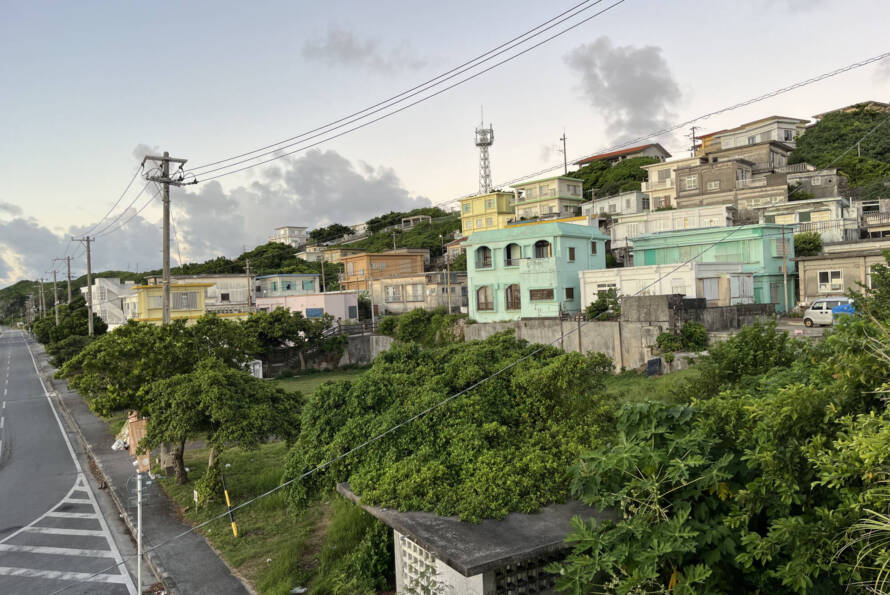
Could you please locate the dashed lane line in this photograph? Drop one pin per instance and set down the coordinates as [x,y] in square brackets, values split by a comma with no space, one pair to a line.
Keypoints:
[58,531]
[64,576]
[55,551]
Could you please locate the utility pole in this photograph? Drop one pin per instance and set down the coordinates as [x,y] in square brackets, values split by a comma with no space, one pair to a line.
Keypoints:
[42,301]
[67,260]
[785,269]
[166,181]
[393,240]
[565,162]
[247,271]
[55,298]
[87,240]
[694,138]
[447,272]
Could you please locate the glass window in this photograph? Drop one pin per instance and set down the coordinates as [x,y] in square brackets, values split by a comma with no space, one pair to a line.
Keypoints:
[484,299]
[571,254]
[803,217]
[489,221]
[543,249]
[714,185]
[352,312]
[830,281]
[483,257]
[478,223]
[570,294]
[350,268]
[414,292]
[392,293]
[468,225]
[155,302]
[690,182]
[593,248]
[308,284]
[817,180]
[538,295]
[489,203]
[513,297]
[185,300]
[752,139]
[467,207]
[512,255]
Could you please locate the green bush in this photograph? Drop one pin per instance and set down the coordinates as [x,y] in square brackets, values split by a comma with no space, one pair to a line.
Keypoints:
[426,327]
[694,336]
[667,341]
[388,325]
[606,303]
[64,350]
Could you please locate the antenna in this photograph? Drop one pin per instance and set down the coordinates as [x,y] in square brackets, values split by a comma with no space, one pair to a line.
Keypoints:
[484,139]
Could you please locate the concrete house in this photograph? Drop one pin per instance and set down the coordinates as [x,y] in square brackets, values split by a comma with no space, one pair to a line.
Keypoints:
[836,273]
[286,284]
[530,271]
[226,293]
[832,218]
[728,181]
[661,185]
[651,150]
[759,248]
[560,196]
[429,290]
[720,283]
[290,235]
[625,203]
[110,297]
[783,129]
[341,305]
[360,269]
[486,211]
[820,183]
[186,302]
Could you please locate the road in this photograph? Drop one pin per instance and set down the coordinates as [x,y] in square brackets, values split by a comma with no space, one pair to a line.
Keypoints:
[53,535]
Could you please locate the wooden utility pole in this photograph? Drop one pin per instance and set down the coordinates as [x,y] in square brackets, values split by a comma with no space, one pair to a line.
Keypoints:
[165,179]
[247,272]
[785,269]
[322,273]
[55,298]
[42,301]
[87,240]
[67,260]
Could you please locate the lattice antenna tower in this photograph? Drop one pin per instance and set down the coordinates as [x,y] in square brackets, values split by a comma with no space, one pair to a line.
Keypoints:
[484,139]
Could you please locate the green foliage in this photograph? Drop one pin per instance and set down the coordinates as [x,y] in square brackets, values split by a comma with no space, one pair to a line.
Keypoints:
[67,348]
[822,144]
[356,557]
[331,232]
[73,320]
[612,262]
[395,218]
[427,327]
[210,486]
[606,180]
[669,342]
[808,243]
[431,236]
[605,305]
[694,336]
[506,445]
[286,331]
[460,263]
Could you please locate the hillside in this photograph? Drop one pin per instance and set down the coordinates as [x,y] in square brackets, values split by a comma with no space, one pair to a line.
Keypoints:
[606,180]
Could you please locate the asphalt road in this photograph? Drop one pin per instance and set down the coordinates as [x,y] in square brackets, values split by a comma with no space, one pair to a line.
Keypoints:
[52,533]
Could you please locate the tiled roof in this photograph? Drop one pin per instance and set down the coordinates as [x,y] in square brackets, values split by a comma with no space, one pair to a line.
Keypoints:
[628,151]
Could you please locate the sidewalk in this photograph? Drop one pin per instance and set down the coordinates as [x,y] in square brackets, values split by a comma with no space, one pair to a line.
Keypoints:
[187,565]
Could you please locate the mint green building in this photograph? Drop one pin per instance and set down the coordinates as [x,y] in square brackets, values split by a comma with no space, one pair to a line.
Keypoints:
[757,247]
[530,271]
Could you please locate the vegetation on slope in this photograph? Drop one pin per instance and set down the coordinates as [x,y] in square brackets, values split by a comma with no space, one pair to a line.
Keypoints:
[605,179]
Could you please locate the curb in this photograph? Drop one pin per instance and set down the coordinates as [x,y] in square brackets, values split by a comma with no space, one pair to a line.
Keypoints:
[155,565]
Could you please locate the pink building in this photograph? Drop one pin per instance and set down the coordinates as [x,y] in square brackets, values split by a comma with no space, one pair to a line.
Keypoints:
[342,305]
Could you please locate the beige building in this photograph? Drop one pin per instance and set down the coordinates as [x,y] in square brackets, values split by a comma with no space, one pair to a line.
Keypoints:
[836,273]
[361,269]
[556,197]
[781,129]
[729,182]
[832,218]
[430,290]
[661,185]
[336,254]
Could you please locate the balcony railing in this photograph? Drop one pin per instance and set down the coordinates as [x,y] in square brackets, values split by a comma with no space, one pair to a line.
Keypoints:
[483,263]
[795,168]
[511,262]
[751,183]
[514,305]
[875,219]
[659,184]
[485,306]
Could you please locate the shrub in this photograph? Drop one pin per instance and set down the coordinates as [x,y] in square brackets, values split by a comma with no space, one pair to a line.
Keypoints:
[808,243]
[388,325]
[606,301]
[64,350]
[694,336]
[669,342]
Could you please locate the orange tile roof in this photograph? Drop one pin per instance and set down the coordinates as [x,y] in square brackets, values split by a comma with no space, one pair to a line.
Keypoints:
[618,153]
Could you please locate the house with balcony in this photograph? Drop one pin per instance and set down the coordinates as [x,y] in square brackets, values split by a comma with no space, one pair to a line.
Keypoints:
[290,235]
[286,284]
[311,254]
[765,157]
[186,302]
[486,211]
[109,298]
[335,254]
[625,203]
[226,293]
[426,290]
[661,185]
[554,198]
[817,183]
[530,271]
[730,182]
[359,270]
[834,219]
[720,283]
[782,129]
[340,305]
[626,228]
[760,250]
[651,150]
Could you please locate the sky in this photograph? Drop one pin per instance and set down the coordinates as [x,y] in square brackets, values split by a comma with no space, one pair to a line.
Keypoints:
[90,87]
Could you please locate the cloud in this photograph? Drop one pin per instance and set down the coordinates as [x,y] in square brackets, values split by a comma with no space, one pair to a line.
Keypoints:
[10,209]
[631,87]
[340,47]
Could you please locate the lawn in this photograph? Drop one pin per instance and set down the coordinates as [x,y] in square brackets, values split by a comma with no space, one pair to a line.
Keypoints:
[276,548]
[631,386]
[307,383]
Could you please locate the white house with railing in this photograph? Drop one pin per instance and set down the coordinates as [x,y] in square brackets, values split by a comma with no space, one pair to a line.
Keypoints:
[110,296]
[834,219]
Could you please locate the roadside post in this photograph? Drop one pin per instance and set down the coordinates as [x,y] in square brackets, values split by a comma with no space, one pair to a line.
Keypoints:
[229,505]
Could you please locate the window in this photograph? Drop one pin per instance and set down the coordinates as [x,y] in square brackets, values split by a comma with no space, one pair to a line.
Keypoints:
[540,295]
[711,288]
[414,292]
[483,257]
[259,289]
[350,268]
[468,225]
[514,301]
[223,297]
[185,300]
[830,281]
[612,207]
[468,207]
[570,294]
[483,299]
[817,180]
[543,249]
[489,221]
[627,204]
[392,293]
[274,285]
[664,174]
[571,254]
[155,302]
[593,248]
[646,203]
[752,139]
[803,217]
[690,182]
[512,255]
[489,203]
[308,284]
[478,223]
[714,185]
[352,312]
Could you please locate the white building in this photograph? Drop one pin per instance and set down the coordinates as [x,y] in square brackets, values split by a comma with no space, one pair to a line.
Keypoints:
[626,203]
[834,219]
[720,283]
[227,294]
[627,227]
[110,298]
[290,235]
[312,254]
[774,128]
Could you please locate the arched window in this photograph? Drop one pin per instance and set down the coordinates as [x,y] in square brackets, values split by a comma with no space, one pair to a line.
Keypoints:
[484,299]
[543,249]
[514,302]
[483,257]
[512,254]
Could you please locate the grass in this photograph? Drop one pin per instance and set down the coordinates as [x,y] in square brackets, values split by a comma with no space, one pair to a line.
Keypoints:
[115,421]
[631,386]
[276,548]
[307,383]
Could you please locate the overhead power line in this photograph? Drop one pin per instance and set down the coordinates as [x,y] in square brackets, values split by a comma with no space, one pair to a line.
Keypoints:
[278,155]
[398,98]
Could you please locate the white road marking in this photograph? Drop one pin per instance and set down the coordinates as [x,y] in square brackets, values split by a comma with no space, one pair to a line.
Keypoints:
[57,531]
[55,551]
[65,576]
[76,501]
[71,515]
[1,449]
[2,422]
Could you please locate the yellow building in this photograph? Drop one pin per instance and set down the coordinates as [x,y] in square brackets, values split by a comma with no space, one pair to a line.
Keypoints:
[186,301]
[486,211]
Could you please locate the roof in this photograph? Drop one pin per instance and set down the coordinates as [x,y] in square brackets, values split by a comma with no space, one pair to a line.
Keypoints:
[620,152]
[539,180]
[878,105]
[752,123]
[288,275]
[472,549]
[730,233]
[539,230]
[839,255]
[174,285]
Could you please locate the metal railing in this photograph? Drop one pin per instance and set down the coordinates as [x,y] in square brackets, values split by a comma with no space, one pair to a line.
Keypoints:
[875,218]
[795,168]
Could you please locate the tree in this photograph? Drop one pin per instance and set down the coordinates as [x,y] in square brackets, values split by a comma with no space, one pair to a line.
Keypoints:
[231,407]
[73,320]
[808,243]
[605,179]
[605,302]
[331,232]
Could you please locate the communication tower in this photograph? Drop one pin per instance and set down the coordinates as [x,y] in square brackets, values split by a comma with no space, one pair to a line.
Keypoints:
[484,139]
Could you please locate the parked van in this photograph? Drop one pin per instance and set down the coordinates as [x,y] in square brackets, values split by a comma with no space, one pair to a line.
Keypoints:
[819,311]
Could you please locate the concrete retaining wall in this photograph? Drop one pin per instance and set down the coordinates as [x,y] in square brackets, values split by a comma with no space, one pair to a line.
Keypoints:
[672,311]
